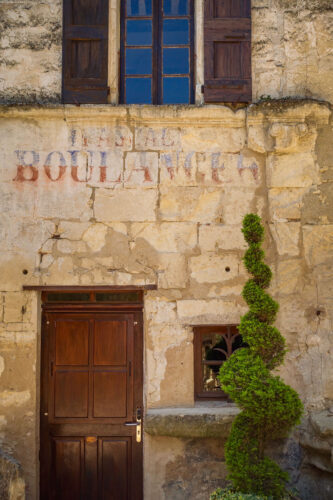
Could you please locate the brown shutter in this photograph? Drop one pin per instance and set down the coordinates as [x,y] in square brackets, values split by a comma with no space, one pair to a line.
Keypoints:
[227,35]
[85,51]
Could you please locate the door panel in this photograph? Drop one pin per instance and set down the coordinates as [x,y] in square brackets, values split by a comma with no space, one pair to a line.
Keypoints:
[71,394]
[114,454]
[110,341]
[112,383]
[71,342]
[92,361]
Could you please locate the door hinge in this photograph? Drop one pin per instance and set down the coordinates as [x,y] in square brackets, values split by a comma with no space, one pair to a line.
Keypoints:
[202,89]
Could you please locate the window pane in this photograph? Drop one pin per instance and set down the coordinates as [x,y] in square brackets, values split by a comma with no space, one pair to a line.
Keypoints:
[176,90]
[175,61]
[139,7]
[68,297]
[121,296]
[138,91]
[138,61]
[175,31]
[138,32]
[175,7]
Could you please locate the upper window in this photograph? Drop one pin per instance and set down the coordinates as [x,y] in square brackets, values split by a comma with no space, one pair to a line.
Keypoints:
[156,60]
[156,44]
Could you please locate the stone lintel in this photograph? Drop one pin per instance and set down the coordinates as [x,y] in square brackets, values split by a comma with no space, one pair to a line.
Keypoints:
[197,422]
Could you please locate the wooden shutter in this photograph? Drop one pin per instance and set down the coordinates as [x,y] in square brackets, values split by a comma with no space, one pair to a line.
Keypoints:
[85,51]
[227,35]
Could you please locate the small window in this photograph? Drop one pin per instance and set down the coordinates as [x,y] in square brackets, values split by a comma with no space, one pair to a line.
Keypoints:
[157,52]
[212,346]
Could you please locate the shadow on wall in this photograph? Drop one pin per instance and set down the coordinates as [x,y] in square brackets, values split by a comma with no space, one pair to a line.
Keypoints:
[12,485]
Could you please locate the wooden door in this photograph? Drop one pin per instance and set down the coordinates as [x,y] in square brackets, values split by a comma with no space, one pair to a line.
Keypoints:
[91,387]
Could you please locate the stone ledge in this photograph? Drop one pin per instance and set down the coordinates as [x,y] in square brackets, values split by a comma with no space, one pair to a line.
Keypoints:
[197,422]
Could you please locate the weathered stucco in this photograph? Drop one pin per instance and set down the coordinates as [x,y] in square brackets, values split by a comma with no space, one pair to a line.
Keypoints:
[292,50]
[144,195]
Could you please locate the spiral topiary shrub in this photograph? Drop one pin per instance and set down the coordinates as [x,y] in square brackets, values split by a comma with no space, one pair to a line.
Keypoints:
[270,407]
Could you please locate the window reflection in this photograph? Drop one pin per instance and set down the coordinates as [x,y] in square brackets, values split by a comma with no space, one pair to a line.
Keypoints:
[175,7]
[139,7]
[175,61]
[175,31]
[138,32]
[138,91]
[138,61]
[176,90]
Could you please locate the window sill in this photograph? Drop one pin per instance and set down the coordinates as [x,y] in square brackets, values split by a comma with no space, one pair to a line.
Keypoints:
[205,420]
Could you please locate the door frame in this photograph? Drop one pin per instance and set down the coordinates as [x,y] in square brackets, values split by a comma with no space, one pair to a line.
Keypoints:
[138,367]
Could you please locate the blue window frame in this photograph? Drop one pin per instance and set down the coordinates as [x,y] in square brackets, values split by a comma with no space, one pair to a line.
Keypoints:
[156,59]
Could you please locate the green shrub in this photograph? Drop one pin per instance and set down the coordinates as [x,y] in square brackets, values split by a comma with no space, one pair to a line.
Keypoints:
[270,407]
[229,495]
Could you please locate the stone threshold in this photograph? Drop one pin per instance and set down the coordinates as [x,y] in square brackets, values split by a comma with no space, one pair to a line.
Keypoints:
[201,421]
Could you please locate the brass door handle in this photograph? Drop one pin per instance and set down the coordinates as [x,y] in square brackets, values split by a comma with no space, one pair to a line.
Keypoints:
[137,424]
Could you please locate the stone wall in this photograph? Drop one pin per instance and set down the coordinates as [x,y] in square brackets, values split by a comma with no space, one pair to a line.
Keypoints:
[147,195]
[292,49]
[12,486]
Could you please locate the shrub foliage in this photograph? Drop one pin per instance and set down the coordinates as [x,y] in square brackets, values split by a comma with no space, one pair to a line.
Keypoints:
[270,407]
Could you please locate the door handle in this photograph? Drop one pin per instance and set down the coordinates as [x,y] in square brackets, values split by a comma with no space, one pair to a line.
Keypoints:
[137,424]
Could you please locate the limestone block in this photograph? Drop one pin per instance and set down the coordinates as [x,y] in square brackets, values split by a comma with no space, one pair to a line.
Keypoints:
[318,205]
[178,168]
[318,244]
[66,246]
[15,306]
[286,236]
[198,312]
[17,269]
[289,276]
[190,204]
[95,236]
[125,205]
[20,234]
[291,171]
[158,310]
[167,236]
[18,200]
[322,423]
[292,318]
[285,203]
[72,230]
[191,422]
[258,139]
[325,284]
[229,170]
[141,169]
[157,138]
[65,203]
[236,204]
[101,135]
[177,386]
[221,237]
[227,140]
[208,268]
[14,398]
[293,138]
[172,271]
[62,271]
